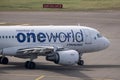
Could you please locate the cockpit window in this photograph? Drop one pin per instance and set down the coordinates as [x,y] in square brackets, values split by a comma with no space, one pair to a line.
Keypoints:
[99,35]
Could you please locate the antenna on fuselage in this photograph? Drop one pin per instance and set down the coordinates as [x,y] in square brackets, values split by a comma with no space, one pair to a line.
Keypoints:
[78,24]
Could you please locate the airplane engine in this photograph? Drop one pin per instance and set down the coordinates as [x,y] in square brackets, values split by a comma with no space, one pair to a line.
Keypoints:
[68,57]
[11,51]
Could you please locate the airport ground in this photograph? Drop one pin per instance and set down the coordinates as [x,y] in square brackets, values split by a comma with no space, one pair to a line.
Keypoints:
[103,65]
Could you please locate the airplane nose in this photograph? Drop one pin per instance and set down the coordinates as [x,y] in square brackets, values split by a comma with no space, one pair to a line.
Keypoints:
[106,43]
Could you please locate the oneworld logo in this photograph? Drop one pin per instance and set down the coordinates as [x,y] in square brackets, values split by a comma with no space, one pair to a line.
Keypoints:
[69,36]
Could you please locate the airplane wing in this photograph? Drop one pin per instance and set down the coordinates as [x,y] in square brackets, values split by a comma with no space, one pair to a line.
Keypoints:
[41,50]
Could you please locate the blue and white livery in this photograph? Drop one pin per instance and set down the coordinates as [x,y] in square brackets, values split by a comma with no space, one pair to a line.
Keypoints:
[61,44]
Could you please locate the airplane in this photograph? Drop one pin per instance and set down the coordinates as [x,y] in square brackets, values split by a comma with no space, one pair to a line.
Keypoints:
[62,45]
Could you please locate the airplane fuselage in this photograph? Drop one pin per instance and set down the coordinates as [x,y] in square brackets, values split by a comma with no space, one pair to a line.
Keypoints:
[60,44]
[72,37]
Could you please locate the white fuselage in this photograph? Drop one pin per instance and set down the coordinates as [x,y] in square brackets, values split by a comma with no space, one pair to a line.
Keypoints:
[79,38]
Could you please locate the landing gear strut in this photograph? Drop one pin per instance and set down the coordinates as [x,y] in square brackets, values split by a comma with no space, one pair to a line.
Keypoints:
[4,60]
[80,62]
[30,64]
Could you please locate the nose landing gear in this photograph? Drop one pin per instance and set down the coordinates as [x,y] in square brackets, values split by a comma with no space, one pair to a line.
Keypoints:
[80,62]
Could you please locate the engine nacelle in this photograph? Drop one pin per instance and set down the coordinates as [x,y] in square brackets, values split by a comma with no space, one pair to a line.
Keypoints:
[68,57]
[11,51]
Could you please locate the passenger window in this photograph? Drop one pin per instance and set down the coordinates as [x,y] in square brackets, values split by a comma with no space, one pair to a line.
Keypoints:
[12,36]
[9,36]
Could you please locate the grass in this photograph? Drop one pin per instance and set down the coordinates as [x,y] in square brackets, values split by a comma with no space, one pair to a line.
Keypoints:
[69,5]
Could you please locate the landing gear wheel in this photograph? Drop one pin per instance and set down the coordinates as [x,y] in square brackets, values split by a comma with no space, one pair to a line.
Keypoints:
[26,64]
[4,60]
[0,59]
[81,62]
[30,65]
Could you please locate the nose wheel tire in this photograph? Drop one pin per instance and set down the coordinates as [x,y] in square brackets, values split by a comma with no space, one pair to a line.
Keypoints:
[4,60]
[0,60]
[81,62]
[30,65]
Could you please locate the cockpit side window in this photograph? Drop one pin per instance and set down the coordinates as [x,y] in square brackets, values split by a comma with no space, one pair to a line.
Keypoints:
[99,35]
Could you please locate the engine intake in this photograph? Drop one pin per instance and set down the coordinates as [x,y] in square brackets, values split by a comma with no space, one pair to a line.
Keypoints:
[68,57]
